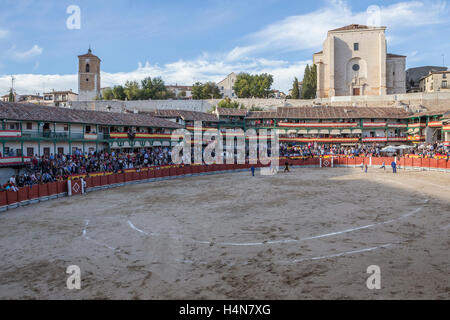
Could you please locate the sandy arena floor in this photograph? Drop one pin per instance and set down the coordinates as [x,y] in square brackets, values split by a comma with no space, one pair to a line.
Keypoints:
[309,234]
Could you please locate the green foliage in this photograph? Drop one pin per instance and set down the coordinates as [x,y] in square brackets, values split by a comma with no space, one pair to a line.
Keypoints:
[309,87]
[227,103]
[132,90]
[11,97]
[203,91]
[295,94]
[248,86]
[255,108]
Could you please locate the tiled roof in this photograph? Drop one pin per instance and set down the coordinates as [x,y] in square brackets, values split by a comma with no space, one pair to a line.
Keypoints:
[232,112]
[330,113]
[32,112]
[351,27]
[391,55]
[430,113]
[185,115]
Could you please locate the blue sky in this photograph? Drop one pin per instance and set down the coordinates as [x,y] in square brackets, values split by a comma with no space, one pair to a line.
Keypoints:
[186,41]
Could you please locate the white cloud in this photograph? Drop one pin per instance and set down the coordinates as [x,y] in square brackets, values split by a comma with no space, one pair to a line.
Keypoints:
[308,31]
[25,55]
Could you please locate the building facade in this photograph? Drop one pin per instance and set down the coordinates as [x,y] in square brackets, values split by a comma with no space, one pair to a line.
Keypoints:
[354,61]
[435,81]
[226,86]
[59,98]
[89,80]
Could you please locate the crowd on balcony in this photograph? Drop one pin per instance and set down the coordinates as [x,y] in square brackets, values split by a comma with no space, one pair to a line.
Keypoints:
[431,150]
[315,150]
[51,168]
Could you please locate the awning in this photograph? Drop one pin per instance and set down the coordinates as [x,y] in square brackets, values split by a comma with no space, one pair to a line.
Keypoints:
[292,132]
[156,143]
[166,143]
[281,131]
[356,131]
[348,131]
[335,132]
[314,131]
[303,131]
[324,131]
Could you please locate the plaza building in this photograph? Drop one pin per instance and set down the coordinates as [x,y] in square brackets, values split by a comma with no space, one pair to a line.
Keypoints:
[354,61]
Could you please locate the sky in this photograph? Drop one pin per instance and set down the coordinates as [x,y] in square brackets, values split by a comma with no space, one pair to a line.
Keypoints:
[188,41]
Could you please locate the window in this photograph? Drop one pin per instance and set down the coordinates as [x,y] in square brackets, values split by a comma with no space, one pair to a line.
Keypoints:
[87,79]
[60,150]
[30,152]
[66,127]
[444,76]
[88,129]
[444,84]
[47,151]
[88,68]
[356,46]
[29,126]
[355,67]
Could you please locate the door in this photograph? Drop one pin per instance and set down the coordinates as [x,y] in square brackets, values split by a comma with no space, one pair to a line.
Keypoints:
[356,91]
[30,152]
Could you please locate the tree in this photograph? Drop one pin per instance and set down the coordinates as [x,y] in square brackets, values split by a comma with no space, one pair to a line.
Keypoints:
[309,87]
[132,90]
[11,97]
[248,86]
[295,94]
[119,93]
[208,90]
[108,94]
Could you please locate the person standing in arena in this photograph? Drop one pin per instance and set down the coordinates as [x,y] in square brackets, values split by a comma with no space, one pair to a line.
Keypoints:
[394,167]
[286,167]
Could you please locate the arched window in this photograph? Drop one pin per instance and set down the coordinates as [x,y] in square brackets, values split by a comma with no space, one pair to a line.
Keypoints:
[87,67]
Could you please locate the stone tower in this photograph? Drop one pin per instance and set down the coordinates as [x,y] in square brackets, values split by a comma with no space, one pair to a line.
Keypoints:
[88,76]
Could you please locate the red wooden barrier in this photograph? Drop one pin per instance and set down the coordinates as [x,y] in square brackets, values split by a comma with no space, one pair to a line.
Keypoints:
[103,180]
[128,176]
[442,164]
[179,171]
[33,191]
[22,194]
[3,199]
[434,163]
[165,172]
[172,171]
[425,163]
[62,185]
[188,170]
[112,179]
[408,162]
[195,169]
[11,197]
[151,173]
[76,187]
[43,190]
[417,162]
[52,188]
[96,181]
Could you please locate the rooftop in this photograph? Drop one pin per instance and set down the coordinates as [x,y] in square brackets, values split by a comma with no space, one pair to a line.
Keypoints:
[32,112]
[330,113]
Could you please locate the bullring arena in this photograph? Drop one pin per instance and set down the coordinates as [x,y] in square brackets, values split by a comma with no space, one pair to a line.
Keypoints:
[307,234]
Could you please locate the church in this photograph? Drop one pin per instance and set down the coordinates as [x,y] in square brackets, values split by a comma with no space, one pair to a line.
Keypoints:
[89,82]
[354,62]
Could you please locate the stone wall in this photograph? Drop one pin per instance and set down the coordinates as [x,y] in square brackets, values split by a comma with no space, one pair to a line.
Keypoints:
[430,101]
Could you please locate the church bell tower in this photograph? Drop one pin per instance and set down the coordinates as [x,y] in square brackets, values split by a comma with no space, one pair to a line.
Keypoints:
[88,77]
